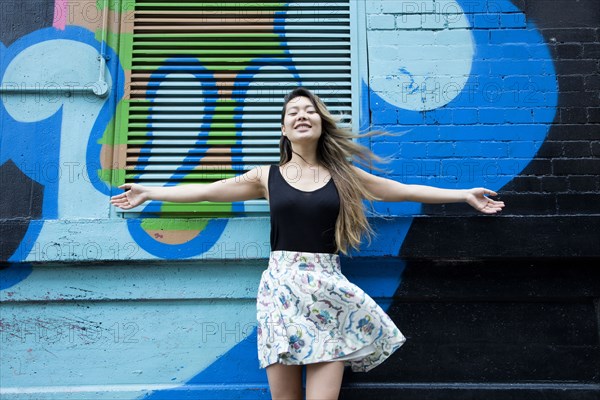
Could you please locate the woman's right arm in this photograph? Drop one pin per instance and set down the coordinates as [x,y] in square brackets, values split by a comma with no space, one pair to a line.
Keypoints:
[248,186]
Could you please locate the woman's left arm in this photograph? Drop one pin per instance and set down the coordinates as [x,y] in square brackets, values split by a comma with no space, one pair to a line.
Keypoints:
[389,190]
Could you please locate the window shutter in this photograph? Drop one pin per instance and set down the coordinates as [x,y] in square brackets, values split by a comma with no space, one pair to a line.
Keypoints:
[207,82]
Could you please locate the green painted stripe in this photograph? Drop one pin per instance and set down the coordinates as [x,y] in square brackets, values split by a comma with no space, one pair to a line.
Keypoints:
[172,168]
[212,177]
[113,39]
[160,61]
[222,102]
[210,142]
[138,109]
[205,35]
[175,108]
[121,128]
[208,51]
[241,5]
[117,5]
[136,134]
[243,65]
[223,107]
[209,208]
[174,224]
[237,63]
[118,177]
[214,125]
[130,175]
[125,48]
[209,44]
[105,175]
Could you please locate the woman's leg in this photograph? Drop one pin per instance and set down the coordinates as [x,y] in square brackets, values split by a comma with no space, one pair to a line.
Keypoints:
[323,380]
[285,381]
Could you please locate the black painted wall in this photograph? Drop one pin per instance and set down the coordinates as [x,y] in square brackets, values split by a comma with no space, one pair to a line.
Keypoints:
[17,19]
[20,17]
[492,329]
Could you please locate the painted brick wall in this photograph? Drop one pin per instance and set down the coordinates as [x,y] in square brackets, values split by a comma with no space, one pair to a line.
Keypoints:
[488,302]
[496,93]
[553,189]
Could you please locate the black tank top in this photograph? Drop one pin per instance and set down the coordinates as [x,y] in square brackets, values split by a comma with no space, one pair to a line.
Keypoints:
[302,221]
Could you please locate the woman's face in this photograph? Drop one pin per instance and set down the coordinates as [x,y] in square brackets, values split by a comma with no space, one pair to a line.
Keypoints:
[301,121]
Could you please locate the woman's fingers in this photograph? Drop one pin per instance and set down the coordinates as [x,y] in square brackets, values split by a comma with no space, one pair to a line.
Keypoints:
[124,204]
[119,201]
[119,196]
[125,199]
[494,207]
[491,206]
[489,210]
[484,204]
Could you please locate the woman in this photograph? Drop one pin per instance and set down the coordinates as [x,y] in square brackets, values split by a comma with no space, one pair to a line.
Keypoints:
[308,313]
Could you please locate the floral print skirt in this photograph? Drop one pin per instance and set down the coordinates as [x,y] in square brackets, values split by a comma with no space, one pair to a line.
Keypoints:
[308,312]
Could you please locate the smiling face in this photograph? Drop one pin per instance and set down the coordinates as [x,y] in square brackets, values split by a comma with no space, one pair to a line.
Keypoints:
[301,121]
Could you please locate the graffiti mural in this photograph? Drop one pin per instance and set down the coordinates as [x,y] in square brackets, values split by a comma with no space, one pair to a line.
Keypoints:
[467,89]
[454,131]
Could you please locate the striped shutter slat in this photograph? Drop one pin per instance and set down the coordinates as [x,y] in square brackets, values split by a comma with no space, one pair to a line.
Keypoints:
[207,83]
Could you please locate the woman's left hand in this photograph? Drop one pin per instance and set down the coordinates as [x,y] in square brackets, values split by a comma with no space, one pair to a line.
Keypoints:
[477,198]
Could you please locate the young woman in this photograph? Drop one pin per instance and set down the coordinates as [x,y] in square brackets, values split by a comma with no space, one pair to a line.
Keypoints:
[308,313]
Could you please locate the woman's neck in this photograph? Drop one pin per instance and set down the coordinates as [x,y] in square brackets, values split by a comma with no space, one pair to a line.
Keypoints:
[305,157]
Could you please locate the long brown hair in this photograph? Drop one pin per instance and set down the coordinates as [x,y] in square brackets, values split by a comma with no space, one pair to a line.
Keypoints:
[336,150]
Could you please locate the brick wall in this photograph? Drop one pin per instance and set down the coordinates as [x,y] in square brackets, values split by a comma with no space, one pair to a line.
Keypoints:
[503,307]
[552,194]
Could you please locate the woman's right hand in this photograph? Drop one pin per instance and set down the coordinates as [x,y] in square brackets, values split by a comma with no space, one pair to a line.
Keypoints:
[133,196]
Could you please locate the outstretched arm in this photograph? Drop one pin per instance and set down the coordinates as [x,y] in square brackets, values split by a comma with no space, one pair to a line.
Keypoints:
[251,185]
[389,190]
